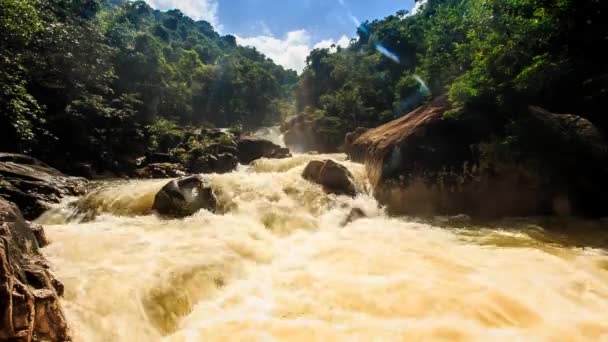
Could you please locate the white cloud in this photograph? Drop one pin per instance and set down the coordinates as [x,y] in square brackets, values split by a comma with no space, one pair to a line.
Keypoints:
[418,6]
[344,41]
[196,9]
[291,51]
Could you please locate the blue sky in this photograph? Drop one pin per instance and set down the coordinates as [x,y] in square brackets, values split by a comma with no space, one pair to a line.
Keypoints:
[286,30]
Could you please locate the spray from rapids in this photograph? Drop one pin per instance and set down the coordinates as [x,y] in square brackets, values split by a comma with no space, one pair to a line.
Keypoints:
[279,265]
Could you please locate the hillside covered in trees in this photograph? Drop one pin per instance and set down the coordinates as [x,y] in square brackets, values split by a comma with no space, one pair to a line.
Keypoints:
[89,80]
[494,57]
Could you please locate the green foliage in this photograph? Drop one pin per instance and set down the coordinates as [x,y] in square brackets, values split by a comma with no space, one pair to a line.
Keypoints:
[164,133]
[80,79]
[499,54]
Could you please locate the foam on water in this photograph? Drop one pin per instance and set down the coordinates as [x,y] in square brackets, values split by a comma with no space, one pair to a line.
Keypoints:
[278,265]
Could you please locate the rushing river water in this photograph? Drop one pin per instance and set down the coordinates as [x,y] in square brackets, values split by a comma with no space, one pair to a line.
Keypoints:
[278,265]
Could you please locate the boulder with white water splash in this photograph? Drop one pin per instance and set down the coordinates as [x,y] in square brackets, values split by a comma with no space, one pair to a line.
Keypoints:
[252,148]
[33,185]
[184,197]
[334,178]
[29,292]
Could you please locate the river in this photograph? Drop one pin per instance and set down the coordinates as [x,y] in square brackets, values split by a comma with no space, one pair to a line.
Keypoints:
[278,265]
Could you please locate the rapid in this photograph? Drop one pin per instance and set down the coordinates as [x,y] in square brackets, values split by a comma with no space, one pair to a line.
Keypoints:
[278,264]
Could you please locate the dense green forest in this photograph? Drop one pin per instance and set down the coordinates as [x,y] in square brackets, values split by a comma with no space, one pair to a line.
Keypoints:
[493,55]
[97,79]
[84,80]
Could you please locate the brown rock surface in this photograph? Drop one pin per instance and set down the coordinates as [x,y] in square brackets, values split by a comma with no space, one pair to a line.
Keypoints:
[33,185]
[29,292]
[334,178]
[427,163]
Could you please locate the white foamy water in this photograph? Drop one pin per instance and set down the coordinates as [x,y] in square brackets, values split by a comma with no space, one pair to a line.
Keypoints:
[278,265]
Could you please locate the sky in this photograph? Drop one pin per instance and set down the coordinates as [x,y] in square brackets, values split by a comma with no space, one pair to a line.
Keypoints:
[286,30]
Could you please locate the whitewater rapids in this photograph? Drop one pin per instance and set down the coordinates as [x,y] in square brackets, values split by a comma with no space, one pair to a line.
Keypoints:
[278,265]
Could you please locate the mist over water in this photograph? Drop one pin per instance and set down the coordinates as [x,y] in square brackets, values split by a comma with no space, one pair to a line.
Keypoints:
[277,264]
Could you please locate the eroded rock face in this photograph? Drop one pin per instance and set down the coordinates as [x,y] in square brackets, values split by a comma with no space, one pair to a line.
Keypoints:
[184,197]
[334,178]
[251,148]
[427,164]
[33,185]
[29,292]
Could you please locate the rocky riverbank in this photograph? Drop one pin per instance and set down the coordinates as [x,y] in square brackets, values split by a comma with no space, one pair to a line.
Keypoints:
[29,291]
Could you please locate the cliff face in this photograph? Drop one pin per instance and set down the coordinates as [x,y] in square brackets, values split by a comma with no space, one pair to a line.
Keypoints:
[29,292]
[425,163]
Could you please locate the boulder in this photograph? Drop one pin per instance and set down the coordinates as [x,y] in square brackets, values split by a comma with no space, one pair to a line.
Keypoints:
[184,197]
[334,178]
[214,163]
[29,292]
[161,170]
[225,162]
[33,185]
[251,148]
[427,163]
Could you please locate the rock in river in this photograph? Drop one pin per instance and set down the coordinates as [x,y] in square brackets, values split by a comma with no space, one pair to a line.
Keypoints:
[251,148]
[428,163]
[184,197]
[334,178]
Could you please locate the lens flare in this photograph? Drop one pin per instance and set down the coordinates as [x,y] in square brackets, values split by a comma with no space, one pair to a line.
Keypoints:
[424,89]
[386,52]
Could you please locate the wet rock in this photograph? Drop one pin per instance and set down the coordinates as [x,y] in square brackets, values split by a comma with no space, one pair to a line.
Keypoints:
[33,185]
[334,178]
[225,162]
[210,163]
[354,215]
[426,163]
[251,148]
[29,292]
[184,197]
[40,235]
[162,170]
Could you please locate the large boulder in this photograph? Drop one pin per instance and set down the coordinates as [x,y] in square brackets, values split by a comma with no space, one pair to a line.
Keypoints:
[29,292]
[429,163]
[184,197]
[252,148]
[334,178]
[33,185]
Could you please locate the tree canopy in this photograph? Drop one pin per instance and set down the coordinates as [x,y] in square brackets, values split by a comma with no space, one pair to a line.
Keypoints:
[82,79]
[496,54]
